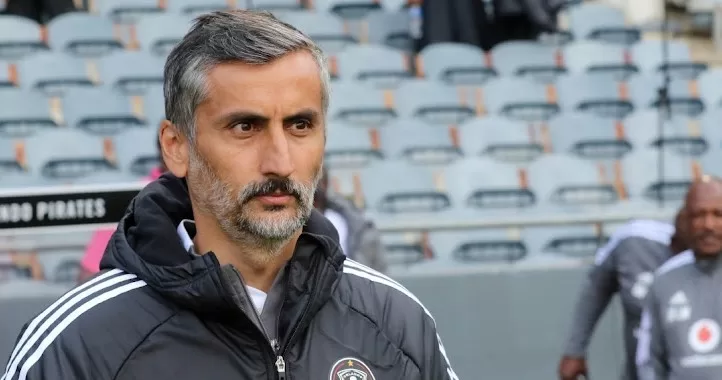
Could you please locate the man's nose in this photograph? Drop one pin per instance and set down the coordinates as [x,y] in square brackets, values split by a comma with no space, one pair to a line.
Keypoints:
[275,153]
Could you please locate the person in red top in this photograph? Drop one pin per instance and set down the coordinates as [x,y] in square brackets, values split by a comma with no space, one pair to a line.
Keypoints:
[90,264]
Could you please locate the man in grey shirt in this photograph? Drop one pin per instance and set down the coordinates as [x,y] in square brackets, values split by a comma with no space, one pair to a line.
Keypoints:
[680,330]
[625,265]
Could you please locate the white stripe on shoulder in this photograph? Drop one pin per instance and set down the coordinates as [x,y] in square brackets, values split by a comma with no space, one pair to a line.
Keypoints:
[80,294]
[34,323]
[647,229]
[677,261]
[32,359]
[360,270]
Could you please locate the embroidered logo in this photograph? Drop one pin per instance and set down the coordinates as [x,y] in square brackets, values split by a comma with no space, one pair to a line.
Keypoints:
[351,369]
[704,336]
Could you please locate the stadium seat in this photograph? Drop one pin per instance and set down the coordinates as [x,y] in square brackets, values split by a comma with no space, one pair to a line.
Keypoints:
[109,112]
[528,59]
[131,72]
[158,34]
[482,183]
[154,105]
[80,155]
[25,112]
[394,5]
[420,143]
[19,180]
[83,34]
[579,241]
[12,156]
[349,146]
[8,75]
[491,245]
[403,250]
[649,56]
[599,21]
[348,9]
[432,102]
[194,8]
[54,73]
[641,174]
[375,64]
[137,151]
[589,184]
[61,266]
[599,58]
[421,191]
[277,6]
[130,11]
[385,28]
[595,94]
[680,134]
[684,94]
[709,125]
[359,103]
[326,29]
[501,139]
[710,88]
[520,98]
[455,63]
[589,136]
[19,36]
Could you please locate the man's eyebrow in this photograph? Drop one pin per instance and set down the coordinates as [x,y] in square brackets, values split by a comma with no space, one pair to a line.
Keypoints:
[308,113]
[241,115]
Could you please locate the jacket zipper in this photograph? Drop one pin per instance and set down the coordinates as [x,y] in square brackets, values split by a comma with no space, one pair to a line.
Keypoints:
[281,368]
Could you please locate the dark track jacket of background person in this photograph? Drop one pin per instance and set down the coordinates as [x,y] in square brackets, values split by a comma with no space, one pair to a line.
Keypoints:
[154,312]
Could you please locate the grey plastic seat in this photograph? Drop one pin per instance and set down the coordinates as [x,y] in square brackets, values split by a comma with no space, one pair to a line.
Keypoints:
[17,180]
[416,188]
[683,94]
[62,266]
[12,152]
[109,112]
[599,58]
[158,34]
[19,36]
[83,34]
[580,241]
[528,59]
[710,162]
[589,136]
[403,250]
[649,56]
[681,134]
[360,103]
[129,11]
[81,154]
[385,28]
[275,5]
[420,143]
[595,94]
[348,9]
[598,21]
[137,151]
[26,112]
[326,29]
[349,146]
[432,102]
[642,179]
[131,72]
[375,64]
[54,73]
[520,98]
[482,183]
[489,245]
[499,138]
[550,180]
[709,128]
[455,63]
[194,8]
[154,105]
[710,87]
[102,178]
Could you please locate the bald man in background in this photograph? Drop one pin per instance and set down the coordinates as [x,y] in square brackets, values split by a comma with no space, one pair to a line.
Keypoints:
[680,332]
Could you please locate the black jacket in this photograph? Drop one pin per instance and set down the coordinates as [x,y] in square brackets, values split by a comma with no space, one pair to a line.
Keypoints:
[156,313]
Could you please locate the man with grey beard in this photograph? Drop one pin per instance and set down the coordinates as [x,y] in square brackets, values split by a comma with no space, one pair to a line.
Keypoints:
[221,269]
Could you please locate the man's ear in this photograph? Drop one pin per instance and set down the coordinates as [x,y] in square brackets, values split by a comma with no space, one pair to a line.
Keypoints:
[174,149]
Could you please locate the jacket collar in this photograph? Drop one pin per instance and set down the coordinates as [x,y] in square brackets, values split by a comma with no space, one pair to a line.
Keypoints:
[146,244]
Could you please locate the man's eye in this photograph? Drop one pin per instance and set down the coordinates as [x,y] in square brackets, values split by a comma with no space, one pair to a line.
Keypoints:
[301,124]
[243,127]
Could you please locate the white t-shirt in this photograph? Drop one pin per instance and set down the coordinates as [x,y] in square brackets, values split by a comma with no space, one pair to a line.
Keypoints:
[341,225]
[258,297]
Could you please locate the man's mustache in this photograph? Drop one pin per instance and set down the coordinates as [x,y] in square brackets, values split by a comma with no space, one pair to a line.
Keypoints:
[272,186]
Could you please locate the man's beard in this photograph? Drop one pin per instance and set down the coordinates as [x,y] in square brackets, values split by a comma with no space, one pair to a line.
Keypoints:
[230,207]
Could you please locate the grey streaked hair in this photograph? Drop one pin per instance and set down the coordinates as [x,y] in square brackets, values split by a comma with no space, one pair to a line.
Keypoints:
[250,37]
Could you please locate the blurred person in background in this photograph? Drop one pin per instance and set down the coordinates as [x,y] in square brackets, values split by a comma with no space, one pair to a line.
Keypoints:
[625,265]
[680,331]
[222,268]
[525,19]
[39,10]
[360,240]
[90,264]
